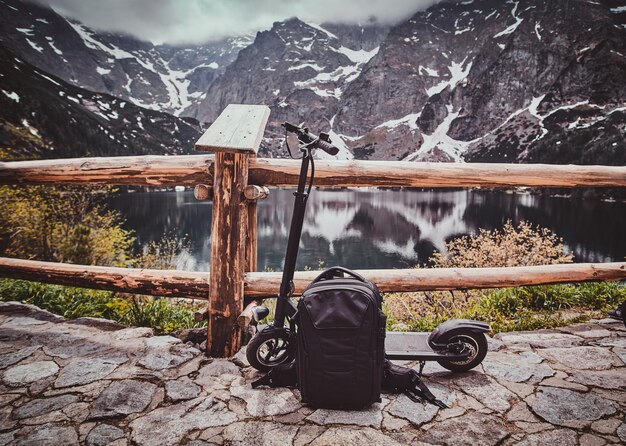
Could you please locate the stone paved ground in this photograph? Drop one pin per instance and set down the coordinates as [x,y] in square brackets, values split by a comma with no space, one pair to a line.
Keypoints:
[93,382]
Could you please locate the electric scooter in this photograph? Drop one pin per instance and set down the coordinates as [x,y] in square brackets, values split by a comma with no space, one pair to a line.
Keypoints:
[458,345]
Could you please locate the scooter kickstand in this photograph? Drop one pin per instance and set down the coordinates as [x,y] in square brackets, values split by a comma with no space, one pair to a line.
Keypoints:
[422,364]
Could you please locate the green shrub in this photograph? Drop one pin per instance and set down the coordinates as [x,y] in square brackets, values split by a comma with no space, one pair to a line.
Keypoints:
[164,315]
[161,314]
[523,308]
[62,224]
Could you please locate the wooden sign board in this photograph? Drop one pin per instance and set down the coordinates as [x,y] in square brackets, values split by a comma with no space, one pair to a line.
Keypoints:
[238,129]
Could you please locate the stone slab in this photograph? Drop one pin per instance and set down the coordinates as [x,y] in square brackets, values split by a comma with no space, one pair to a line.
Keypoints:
[123,398]
[472,429]
[564,407]
[20,375]
[167,425]
[371,417]
[582,357]
[516,367]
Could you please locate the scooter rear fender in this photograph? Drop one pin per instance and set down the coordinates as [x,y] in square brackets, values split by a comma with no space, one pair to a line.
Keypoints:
[440,337]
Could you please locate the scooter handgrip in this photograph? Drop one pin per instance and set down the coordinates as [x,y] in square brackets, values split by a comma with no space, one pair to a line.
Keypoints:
[327,147]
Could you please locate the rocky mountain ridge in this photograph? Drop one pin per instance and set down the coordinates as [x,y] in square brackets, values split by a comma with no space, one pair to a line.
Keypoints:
[159,77]
[45,117]
[476,80]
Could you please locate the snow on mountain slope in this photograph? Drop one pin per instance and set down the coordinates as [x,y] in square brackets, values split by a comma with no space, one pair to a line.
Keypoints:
[44,117]
[159,77]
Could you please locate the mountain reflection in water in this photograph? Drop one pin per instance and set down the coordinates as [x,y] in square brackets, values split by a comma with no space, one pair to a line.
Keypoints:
[379,229]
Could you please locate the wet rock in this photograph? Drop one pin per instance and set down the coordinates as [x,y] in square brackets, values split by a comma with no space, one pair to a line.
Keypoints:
[606,379]
[6,438]
[133,333]
[77,412]
[353,437]
[621,432]
[558,382]
[42,406]
[6,422]
[219,367]
[560,437]
[71,346]
[103,434]
[611,342]
[15,357]
[265,402]
[159,360]
[258,432]
[621,353]
[420,413]
[486,390]
[167,425]
[6,399]
[181,390]
[587,331]
[607,426]
[85,371]
[582,358]
[591,440]
[472,429]
[521,367]
[494,344]
[565,407]
[306,434]
[94,322]
[162,341]
[28,373]
[47,435]
[123,398]
[520,412]
[372,416]
[33,311]
[541,340]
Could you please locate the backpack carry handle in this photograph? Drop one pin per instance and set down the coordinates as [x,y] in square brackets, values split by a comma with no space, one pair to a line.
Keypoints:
[337,271]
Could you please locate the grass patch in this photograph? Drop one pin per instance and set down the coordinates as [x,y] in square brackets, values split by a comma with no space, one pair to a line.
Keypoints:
[507,309]
[163,315]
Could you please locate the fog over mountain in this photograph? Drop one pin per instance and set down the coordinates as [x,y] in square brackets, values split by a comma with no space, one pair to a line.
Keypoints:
[200,21]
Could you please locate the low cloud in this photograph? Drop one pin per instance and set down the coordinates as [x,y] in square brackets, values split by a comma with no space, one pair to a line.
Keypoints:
[195,21]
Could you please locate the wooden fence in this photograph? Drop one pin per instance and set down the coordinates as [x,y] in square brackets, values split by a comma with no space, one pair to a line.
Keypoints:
[235,179]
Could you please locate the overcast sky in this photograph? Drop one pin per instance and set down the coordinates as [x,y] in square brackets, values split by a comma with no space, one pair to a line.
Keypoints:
[185,21]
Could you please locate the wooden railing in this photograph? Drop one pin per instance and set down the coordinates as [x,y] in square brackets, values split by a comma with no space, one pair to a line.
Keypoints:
[232,178]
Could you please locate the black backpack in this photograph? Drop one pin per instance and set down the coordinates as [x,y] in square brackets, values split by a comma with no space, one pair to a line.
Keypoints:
[340,350]
[340,347]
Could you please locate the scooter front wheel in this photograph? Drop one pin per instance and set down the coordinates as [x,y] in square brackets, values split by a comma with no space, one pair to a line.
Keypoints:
[268,348]
[476,343]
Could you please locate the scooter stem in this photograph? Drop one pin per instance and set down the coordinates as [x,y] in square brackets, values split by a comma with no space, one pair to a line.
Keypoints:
[295,231]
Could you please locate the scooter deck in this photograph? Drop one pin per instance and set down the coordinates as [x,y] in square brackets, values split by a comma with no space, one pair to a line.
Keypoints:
[413,346]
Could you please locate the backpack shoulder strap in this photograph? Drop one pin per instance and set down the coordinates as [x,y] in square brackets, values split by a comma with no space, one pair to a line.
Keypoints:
[399,379]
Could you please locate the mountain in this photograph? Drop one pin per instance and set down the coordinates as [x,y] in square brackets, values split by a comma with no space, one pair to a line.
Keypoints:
[463,81]
[481,80]
[159,77]
[45,117]
[299,69]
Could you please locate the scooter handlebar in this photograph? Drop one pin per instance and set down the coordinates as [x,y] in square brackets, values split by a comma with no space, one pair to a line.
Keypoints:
[304,136]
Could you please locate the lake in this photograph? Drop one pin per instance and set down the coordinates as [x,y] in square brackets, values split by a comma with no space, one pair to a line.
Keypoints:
[364,229]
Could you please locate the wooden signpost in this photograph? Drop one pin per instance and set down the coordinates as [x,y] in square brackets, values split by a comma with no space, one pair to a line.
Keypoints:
[235,137]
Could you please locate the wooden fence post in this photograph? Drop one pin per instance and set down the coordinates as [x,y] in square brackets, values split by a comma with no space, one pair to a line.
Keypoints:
[234,137]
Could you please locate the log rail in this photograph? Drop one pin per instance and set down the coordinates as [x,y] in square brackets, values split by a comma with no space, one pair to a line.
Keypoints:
[189,284]
[190,170]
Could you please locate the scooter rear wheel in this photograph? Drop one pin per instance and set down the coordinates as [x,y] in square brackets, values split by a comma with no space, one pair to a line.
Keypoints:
[267,350]
[476,343]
